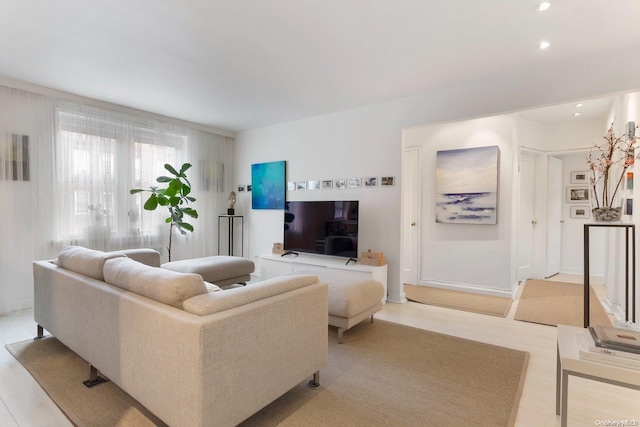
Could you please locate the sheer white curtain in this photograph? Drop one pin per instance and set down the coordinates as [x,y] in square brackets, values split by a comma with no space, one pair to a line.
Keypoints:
[100,155]
[65,174]
[26,186]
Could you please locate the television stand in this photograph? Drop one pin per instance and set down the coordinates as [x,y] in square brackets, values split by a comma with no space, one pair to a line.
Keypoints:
[328,269]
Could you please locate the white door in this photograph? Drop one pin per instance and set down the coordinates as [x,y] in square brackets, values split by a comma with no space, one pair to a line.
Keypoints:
[410,216]
[554,217]
[526,212]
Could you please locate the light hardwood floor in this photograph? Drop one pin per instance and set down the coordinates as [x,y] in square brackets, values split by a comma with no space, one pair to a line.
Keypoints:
[24,403]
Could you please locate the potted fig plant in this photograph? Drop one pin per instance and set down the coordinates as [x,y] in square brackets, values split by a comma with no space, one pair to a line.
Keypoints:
[175,197]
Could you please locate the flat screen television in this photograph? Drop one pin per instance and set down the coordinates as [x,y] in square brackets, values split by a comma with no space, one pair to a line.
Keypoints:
[322,227]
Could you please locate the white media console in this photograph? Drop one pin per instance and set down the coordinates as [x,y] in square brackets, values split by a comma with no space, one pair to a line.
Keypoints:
[327,269]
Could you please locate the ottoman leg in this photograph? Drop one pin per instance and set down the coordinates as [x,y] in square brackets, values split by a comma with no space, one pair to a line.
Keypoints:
[372,318]
[339,335]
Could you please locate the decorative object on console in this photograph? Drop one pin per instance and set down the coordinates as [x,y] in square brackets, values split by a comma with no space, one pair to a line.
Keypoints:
[608,163]
[467,185]
[176,197]
[232,202]
[277,249]
[268,185]
[372,258]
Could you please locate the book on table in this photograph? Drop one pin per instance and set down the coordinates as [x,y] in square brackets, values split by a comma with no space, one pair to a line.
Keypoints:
[587,350]
[616,338]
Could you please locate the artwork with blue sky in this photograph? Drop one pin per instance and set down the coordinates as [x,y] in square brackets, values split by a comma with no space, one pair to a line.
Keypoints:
[467,185]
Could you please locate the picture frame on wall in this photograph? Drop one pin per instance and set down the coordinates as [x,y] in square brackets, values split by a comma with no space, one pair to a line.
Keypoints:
[291,186]
[629,183]
[301,185]
[313,185]
[387,181]
[577,194]
[341,183]
[628,206]
[355,183]
[580,177]
[370,181]
[580,212]
[327,184]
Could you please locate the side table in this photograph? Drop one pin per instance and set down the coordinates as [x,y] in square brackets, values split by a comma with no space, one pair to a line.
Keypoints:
[230,230]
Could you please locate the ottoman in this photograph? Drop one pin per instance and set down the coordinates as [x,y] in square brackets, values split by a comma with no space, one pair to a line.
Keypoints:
[219,270]
[352,302]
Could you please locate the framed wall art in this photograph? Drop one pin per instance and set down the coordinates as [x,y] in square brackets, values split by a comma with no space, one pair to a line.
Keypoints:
[580,212]
[580,177]
[577,194]
[467,185]
[268,184]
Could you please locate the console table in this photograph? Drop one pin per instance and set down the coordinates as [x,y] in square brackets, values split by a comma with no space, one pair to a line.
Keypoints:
[230,225]
[569,363]
[327,269]
[630,303]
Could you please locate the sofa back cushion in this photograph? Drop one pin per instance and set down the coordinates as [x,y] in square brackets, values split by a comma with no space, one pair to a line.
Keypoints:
[165,286]
[146,256]
[214,302]
[85,261]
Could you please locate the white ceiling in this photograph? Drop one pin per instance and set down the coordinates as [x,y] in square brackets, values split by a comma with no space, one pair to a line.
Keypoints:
[241,64]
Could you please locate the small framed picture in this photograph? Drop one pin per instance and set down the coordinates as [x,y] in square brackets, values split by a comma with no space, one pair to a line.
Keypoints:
[577,194]
[580,212]
[327,184]
[628,206]
[341,184]
[580,177]
[291,186]
[301,185]
[313,185]
[629,179]
[248,187]
[370,181]
[355,183]
[240,188]
[387,181]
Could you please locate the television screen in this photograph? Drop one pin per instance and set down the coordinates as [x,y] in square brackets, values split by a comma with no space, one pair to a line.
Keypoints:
[327,227]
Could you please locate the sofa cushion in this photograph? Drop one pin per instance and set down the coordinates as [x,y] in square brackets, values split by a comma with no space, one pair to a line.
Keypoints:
[214,302]
[147,256]
[165,286]
[88,262]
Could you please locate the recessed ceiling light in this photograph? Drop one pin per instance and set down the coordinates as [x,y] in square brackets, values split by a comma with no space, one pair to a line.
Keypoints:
[578,105]
[576,114]
[543,6]
[544,45]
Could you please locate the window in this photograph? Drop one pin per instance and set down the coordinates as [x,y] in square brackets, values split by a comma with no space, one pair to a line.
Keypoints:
[98,160]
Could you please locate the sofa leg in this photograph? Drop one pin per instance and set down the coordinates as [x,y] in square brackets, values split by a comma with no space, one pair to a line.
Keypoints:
[94,378]
[315,382]
[339,335]
[40,333]
[372,318]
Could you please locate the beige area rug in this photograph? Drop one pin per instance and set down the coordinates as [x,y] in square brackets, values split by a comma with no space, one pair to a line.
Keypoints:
[382,374]
[465,301]
[558,303]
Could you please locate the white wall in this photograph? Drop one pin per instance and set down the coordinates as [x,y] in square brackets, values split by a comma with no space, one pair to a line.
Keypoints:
[370,137]
[466,255]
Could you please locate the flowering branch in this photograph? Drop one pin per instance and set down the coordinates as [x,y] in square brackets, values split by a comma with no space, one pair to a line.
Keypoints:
[614,151]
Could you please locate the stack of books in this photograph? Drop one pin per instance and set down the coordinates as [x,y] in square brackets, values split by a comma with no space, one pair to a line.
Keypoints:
[615,346]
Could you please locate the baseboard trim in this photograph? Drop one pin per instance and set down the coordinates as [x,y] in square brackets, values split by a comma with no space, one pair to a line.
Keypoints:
[507,293]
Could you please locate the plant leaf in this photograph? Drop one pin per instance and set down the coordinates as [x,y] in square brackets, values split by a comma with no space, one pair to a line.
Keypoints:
[164,179]
[191,212]
[184,168]
[170,168]
[151,203]
[136,190]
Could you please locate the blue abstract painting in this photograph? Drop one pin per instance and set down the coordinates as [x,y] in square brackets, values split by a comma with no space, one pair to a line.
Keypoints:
[268,185]
[467,185]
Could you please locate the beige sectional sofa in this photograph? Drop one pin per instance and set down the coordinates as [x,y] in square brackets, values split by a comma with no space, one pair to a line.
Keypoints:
[192,356]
